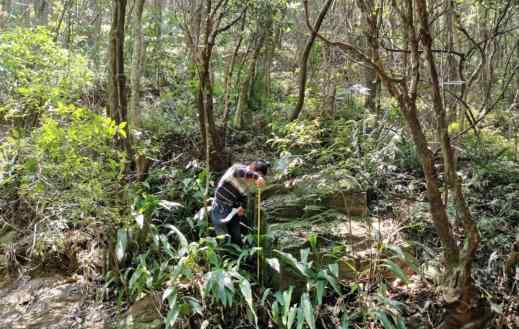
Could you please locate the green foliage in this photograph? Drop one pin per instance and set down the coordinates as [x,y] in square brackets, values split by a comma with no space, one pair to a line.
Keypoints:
[69,168]
[70,164]
[488,146]
[36,74]
[297,137]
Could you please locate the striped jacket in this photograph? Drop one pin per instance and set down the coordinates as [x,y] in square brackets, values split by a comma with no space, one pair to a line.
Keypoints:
[232,187]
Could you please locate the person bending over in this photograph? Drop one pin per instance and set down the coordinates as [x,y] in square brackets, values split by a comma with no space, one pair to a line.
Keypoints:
[231,196]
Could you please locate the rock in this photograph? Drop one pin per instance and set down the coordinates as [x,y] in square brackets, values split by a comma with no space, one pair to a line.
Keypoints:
[310,194]
[351,243]
[52,302]
[141,315]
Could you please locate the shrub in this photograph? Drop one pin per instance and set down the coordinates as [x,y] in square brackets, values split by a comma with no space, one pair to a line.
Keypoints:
[35,73]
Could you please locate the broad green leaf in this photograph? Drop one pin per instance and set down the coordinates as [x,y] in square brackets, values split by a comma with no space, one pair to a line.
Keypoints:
[139,218]
[300,317]
[196,308]
[382,317]
[168,293]
[345,321]
[247,294]
[396,270]
[320,291]
[274,263]
[292,262]
[291,317]
[135,278]
[308,310]
[275,312]
[181,237]
[334,269]
[332,281]
[172,317]
[266,293]
[122,242]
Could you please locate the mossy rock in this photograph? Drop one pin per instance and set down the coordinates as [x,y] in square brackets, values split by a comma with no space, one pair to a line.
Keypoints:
[141,315]
[309,195]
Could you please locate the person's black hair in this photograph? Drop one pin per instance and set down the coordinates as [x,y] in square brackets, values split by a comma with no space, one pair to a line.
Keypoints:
[261,166]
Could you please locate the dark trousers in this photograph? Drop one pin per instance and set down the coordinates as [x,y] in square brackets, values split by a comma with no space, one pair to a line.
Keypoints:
[232,227]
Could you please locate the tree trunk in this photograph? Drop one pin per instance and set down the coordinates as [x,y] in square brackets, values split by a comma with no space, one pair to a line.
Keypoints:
[245,89]
[227,82]
[304,60]
[93,38]
[465,286]
[137,65]
[158,45]
[41,11]
[118,109]
[135,82]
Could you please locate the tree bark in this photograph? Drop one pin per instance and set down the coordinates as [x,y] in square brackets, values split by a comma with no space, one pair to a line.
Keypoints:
[304,60]
[245,89]
[137,65]
[158,46]
[228,79]
[118,108]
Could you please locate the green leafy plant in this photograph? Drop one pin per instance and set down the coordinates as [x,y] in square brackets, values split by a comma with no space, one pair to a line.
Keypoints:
[36,74]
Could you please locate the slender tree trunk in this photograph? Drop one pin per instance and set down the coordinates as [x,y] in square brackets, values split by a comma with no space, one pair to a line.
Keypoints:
[158,46]
[141,163]
[137,65]
[451,102]
[118,108]
[304,60]
[245,89]
[93,40]
[227,82]
[461,278]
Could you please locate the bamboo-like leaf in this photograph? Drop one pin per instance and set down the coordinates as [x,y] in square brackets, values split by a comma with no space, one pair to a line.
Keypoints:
[181,237]
[168,293]
[291,317]
[396,270]
[320,291]
[334,269]
[300,317]
[382,317]
[266,293]
[139,218]
[332,281]
[274,263]
[172,317]
[308,310]
[345,321]
[290,260]
[122,242]
[247,294]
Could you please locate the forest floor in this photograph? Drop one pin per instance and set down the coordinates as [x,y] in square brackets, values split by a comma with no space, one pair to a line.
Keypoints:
[52,301]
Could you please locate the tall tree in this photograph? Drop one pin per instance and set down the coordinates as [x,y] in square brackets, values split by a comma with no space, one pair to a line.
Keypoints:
[135,81]
[118,99]
[303,66]
[203,22]
[465,304]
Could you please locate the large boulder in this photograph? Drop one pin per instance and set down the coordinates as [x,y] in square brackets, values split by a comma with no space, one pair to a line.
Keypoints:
[312,194]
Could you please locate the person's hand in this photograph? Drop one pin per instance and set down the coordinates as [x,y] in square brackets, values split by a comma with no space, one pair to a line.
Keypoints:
[241,211]
[260,182]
